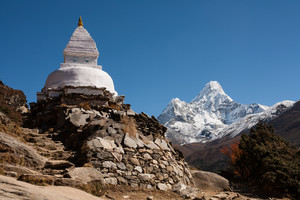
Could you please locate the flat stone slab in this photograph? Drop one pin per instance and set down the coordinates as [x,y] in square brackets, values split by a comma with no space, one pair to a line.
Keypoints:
[130,142]
[58,164]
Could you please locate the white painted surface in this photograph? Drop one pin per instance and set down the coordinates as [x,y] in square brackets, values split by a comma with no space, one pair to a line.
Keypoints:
[80,67]
[80,76]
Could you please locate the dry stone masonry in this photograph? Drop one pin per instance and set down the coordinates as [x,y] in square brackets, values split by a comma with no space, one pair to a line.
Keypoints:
[126,147]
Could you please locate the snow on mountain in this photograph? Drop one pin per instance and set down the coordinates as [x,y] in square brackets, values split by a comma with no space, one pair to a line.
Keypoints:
[212,115]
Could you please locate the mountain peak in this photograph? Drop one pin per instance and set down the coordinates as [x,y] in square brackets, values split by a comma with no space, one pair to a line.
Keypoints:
[212,86]
[212,89]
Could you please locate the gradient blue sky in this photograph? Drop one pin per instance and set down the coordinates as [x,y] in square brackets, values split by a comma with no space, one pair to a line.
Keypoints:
[156,50]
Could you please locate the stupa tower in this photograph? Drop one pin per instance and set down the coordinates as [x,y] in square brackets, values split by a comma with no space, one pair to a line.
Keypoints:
[80,69]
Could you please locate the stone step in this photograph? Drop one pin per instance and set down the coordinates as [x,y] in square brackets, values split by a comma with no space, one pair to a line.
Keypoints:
[58,164]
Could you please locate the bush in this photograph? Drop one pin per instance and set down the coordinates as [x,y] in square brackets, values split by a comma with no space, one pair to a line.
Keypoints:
[267,160]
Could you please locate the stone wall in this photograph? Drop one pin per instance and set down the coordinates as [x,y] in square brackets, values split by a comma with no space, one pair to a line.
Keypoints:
[128,148]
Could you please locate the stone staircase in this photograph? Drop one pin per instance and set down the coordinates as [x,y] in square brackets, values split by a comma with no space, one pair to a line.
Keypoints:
[57,163]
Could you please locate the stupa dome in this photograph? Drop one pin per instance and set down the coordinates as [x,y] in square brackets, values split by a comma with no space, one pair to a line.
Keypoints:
[80,76]
[80,65]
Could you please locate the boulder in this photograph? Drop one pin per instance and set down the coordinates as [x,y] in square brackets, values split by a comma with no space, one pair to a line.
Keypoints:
[86,174]
[208,181]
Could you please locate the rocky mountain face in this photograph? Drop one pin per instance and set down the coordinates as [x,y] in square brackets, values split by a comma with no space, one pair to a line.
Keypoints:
[212,115]
[208,155]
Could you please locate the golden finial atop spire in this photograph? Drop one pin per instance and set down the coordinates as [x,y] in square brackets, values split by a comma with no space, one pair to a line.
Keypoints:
[80,22]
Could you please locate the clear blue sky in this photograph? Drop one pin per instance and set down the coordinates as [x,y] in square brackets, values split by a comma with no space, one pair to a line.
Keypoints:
[156,50]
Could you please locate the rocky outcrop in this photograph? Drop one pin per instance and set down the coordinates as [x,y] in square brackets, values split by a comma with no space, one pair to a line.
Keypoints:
[18,190]
[16,152]
[12,103]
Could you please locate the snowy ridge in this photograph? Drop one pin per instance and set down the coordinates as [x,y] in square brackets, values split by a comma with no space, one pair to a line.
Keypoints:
[212,115]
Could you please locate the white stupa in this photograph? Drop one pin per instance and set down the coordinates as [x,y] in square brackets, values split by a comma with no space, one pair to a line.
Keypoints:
[79,69]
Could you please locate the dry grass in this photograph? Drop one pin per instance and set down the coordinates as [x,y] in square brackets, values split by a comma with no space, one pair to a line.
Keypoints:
[130,125]
[37,179]
[114,106]
[88,165]
[85,105]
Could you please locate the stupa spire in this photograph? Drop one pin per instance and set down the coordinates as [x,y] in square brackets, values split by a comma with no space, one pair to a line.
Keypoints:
[80,22]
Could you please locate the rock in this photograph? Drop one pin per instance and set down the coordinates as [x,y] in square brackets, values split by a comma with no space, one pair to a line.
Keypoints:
[159,176]
[77,118]
[147,156]
[111,181]
[139,169]
[117,156]
[130,112]
[104,155]
[109,164]
[20,151]
[111,130]
[107,144]
[149,198]
[134,161]
[94,144]
[86,174]
[146,177]
[17,169]
[162,186]
[58,164]
[119,150]
[122,180]
[12,189]
[139,142]
[208,181]
[149,187]
[170,168]
[67,182]
[185,191]
[221,196]
[128,141]
[121,166]
[152,146]
[162,144]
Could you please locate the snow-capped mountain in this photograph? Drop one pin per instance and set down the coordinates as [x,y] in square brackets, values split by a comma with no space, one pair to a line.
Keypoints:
[212,115]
